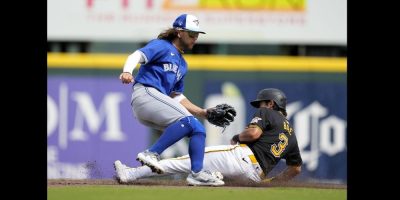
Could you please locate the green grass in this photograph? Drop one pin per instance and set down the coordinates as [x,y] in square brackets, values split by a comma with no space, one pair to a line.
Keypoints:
[190,193]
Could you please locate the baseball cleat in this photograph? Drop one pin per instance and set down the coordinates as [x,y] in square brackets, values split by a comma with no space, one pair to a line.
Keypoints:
[151,160]
[218,175]
[141,162]
[123,172]
[205,178]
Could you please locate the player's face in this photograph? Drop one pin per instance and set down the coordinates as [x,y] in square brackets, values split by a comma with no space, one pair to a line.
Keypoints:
[193,34]
[189,38]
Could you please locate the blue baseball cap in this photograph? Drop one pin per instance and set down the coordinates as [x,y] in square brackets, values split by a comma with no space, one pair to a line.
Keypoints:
[187,22]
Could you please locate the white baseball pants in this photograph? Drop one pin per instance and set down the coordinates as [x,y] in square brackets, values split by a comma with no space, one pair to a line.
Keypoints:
[155,109]
[236,162]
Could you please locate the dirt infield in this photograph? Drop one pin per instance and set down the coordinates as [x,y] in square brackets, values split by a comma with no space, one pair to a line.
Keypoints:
[182,183]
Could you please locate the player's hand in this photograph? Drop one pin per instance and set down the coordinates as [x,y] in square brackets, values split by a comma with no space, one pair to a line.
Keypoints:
[268,180]
[235,139]
[126,78]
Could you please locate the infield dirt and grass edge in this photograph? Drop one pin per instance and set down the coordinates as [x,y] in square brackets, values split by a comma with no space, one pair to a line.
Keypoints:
[63,189]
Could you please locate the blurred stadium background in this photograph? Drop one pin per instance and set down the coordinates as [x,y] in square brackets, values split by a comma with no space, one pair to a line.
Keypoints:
[299,46]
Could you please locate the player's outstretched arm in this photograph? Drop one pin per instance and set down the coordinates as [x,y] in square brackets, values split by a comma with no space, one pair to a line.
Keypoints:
[221,115]
[250,134]
[289,173]
[192,108]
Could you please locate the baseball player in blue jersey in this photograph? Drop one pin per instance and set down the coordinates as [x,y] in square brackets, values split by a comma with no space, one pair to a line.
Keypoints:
[158,101]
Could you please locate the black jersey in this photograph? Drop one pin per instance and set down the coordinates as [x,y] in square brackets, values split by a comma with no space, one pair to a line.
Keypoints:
[277,141]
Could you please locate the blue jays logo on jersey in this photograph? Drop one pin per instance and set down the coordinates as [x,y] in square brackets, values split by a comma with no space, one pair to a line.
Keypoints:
[174,68]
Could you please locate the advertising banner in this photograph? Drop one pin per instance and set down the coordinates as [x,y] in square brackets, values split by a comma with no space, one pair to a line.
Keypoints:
[90,125]
[224,21]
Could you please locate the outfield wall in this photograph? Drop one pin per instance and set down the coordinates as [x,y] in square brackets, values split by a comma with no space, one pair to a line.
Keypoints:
[90,123]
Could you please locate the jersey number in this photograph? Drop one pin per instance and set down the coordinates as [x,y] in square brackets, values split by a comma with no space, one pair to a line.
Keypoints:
[278,149]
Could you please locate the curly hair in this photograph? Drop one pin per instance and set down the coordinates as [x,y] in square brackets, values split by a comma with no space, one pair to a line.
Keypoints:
[168,34]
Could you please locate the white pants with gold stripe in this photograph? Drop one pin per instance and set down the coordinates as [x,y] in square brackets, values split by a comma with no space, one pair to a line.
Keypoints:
[236,162]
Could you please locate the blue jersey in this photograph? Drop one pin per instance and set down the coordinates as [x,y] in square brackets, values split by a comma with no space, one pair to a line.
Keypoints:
[164,67]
